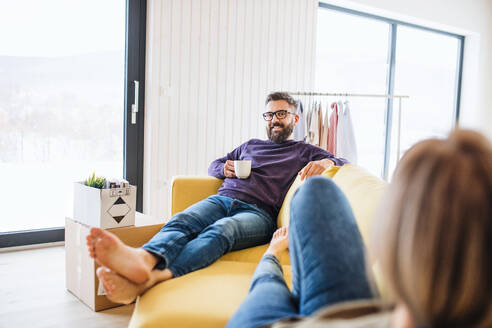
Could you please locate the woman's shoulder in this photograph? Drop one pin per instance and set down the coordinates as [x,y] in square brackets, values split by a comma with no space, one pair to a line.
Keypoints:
[355,314]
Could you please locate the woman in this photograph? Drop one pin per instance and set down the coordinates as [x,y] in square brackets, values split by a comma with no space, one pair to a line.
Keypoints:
[432,242]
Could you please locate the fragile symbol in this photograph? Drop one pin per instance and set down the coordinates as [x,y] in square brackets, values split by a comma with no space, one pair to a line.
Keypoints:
[119,210]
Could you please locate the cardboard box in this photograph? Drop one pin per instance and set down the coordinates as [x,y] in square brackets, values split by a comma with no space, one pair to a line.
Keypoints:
[81,278]
[104,208]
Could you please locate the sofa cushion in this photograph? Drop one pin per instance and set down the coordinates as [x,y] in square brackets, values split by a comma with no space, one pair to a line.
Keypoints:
[284,214]
[364,192]
[253,255]
[204,298]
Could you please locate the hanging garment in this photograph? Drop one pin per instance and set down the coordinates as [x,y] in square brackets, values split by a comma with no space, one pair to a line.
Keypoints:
[304,122]
[314,126]
[309,114]
[332,135]
[300,129]
[346,145]
[325,129]
[320,123]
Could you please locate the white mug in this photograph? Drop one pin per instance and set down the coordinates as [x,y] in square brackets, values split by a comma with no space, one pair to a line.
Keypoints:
[242,168]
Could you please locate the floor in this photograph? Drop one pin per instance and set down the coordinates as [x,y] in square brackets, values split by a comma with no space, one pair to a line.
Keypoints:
[33,294]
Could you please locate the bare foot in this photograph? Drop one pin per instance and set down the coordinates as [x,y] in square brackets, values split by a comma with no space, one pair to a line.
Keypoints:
[108,250]
[279,243]
[121,290]
[118,289]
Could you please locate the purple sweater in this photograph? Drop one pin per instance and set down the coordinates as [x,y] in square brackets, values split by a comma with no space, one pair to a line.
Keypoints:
[274,168]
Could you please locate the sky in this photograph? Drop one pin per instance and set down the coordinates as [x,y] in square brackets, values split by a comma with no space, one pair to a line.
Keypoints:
[52,28]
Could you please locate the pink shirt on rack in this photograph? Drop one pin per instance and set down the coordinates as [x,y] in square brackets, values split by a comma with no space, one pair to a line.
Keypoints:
[332,134]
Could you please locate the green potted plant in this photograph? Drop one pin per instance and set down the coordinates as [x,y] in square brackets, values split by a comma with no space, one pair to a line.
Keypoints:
[94,182]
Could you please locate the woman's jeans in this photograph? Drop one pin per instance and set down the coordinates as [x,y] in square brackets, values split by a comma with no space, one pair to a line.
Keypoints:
[327,259]
[198,236]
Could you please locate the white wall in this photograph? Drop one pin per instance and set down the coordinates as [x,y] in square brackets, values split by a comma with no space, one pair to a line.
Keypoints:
[473,19]
[210,65]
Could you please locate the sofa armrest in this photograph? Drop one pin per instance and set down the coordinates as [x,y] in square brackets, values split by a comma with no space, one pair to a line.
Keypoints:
[187,190]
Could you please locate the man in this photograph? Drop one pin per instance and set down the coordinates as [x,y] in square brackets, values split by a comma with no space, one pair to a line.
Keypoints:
[243,213]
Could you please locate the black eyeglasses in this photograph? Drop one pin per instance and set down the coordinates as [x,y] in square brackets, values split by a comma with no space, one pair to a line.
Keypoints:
[281,114]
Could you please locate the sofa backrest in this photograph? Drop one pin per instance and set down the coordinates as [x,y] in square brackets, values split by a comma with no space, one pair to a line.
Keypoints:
[364,192]
[186,190]
[284,213]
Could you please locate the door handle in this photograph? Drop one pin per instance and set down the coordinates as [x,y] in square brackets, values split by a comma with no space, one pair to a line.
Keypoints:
[135,105]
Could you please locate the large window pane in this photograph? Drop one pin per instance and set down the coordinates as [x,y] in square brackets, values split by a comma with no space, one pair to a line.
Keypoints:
[352,56]
[61,114]
[426,69]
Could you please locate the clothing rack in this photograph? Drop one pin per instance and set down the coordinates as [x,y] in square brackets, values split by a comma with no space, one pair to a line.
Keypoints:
[387,96]
[298,93]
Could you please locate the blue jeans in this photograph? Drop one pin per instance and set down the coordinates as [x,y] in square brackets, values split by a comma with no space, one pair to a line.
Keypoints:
[198,236]
[327,259]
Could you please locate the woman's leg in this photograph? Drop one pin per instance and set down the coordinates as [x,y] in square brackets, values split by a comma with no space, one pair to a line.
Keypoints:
[269,298]
[326,248]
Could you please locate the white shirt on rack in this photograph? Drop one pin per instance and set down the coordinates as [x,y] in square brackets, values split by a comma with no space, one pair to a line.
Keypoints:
[346,145]
[300,129]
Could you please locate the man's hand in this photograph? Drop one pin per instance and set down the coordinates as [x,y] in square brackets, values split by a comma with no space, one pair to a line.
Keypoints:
[315,168]
[229,169]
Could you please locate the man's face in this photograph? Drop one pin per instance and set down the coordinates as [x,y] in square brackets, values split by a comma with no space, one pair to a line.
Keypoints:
[279,130]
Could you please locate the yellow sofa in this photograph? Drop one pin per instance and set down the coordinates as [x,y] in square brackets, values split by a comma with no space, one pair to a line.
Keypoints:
[210,296]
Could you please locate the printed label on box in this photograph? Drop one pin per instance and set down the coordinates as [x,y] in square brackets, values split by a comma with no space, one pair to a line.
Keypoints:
[100,289]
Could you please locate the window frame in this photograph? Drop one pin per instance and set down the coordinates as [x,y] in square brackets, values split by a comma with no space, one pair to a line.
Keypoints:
[133,134]
[390,81]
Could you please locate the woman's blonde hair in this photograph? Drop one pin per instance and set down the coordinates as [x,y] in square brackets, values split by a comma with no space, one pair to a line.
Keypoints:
[433,239]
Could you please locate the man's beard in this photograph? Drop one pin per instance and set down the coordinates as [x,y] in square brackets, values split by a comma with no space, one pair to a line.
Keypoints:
[279,137]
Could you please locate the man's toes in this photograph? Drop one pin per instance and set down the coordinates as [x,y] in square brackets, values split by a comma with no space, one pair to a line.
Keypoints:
[107,274]
[102,243]
[96,233]
[100,272]
[90,241]
[108,289]
[106,239]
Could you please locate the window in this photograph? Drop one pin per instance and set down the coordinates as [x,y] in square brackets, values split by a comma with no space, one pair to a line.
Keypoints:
[425,68]
[67,85]
[367,54]
[355,60]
